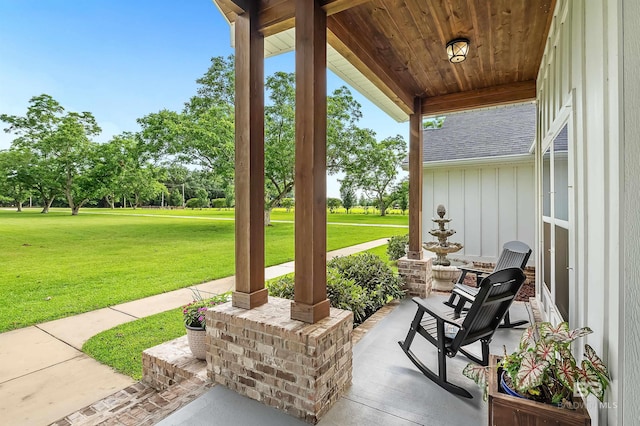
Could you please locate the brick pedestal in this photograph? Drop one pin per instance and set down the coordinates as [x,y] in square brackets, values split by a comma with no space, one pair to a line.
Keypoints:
[417,276]
[296,367]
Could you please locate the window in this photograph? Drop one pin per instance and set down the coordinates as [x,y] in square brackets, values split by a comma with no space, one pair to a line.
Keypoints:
[555,293]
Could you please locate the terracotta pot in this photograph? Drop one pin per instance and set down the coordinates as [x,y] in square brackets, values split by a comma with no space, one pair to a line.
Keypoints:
[196,339]
[507,410]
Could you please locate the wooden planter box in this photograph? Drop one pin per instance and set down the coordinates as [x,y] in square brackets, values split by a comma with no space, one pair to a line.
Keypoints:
[506,410]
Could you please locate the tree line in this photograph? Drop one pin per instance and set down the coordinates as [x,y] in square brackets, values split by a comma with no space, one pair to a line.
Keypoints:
[181,156]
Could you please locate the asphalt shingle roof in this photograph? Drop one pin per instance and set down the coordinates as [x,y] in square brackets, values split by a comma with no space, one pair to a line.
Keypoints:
[491,132]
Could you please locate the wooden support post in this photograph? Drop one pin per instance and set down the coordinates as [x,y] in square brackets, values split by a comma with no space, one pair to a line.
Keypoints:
[310,300]
[415,181]
[249,121]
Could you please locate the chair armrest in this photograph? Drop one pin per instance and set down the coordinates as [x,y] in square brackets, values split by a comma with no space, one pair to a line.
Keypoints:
[467,292]
[437,311]
[474,271]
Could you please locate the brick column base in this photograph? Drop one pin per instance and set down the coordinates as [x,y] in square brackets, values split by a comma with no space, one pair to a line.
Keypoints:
[417,276]
[296,367]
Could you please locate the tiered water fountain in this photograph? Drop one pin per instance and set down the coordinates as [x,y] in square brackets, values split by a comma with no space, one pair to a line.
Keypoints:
[443,272]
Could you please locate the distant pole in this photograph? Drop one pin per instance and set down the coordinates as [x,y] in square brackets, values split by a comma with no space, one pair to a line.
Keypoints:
[183,195]
[162,200]
[29,201]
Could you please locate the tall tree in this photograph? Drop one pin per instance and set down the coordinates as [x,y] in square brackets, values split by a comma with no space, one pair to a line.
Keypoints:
[33,130]
[348,194]
[142,184]
[279,139]
[202,134]
[77,157]
[377,166]
[343,115]
[116,157]
[402,194]
[15,180]
[60,146]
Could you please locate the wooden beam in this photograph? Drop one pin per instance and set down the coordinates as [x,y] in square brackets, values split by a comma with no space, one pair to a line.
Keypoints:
[276,16]
[490,96]
[353,50]
[310,295]
[415,181]
[336,6]
[233,7]
[279,15]
[249,124]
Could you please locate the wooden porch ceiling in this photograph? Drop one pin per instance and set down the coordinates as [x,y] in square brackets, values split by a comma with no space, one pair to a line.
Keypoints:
[399,45]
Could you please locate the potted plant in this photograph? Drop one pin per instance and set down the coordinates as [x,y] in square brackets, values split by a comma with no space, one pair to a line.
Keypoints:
[194,321]
[542,381]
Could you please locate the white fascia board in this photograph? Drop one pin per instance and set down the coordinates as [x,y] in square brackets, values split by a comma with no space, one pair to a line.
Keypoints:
[476,162]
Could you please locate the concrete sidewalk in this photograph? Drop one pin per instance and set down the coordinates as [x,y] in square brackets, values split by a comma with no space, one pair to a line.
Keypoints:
[45,376]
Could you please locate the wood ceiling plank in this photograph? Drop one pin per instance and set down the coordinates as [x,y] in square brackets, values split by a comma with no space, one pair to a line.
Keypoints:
[386,42]
[490,96]
[480,44]
[542,13]
[461,26]
[433,49]
[407,38]
[518,28]
[504,58]
[442,15]
[360,54]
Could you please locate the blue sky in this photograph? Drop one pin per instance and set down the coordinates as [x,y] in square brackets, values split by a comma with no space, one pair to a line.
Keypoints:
[123,59]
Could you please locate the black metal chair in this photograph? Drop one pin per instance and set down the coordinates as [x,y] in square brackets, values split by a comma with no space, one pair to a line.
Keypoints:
[514,254]
[448,331]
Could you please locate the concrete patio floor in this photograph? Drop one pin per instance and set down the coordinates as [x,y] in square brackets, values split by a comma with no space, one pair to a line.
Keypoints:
[387,389]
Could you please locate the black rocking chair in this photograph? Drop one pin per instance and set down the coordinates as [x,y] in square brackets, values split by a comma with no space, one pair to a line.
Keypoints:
[514,254]
[446,329]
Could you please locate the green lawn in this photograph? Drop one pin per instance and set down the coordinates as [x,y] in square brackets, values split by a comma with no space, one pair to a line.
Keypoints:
[356,216]
[57,265]
[121,347]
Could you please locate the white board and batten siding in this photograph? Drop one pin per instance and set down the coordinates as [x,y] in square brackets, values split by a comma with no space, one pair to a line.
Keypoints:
[489,203]
[589,81]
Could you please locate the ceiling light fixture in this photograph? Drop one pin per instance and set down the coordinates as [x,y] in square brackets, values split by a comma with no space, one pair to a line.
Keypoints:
[457,50]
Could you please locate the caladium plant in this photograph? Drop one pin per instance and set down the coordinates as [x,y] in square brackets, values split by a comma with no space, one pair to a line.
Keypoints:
[544,369]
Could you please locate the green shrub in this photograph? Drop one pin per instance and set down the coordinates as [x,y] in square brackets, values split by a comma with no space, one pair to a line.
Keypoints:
[361,283]
[397,246]
[197,203]
[281,287]
[192,203]
[218,203]
[372,274]
[346,294]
